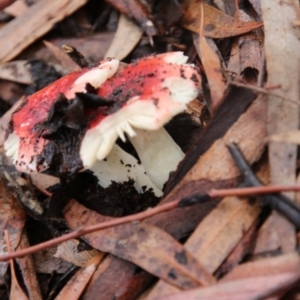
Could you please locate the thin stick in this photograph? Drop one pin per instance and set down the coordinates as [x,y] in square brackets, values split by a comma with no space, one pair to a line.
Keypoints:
[75,55]
[146,214]
[261,90]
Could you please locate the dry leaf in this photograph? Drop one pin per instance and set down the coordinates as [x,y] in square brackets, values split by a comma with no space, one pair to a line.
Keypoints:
[93,46]
[75,286]
[216,23]
[212,68]
[116,279]
[126,38]
[16,292]
[68,251]
[28,271]
[246,289]
[35,22]
[147,246]
[18,8]
[138,11]
[232,216]
[282,59]
[16,71]
[13,219]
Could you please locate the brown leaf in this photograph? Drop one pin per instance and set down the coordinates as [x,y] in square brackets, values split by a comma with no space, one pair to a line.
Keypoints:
[145,245]
[75,286]
[16,71]
[27,268]
[137,11]
[246,289]
[126,38]
[68,251]
[93,47]
[12,219]
[212,67]
[116,278]
[245,281]
[5,3]
[17,8]
[277,265]
[282,60]
[216,23]
[16,291]
[232,216]
[35,22]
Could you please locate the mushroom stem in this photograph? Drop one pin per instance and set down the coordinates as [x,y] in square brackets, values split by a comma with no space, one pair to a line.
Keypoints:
[158,153]
[119,166]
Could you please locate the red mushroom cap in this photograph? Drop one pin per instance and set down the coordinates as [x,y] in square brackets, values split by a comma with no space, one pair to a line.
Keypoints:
[146,93]
[23,141]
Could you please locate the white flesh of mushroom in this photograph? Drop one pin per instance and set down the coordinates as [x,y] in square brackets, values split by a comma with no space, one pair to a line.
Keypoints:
[119,166]
[158,153]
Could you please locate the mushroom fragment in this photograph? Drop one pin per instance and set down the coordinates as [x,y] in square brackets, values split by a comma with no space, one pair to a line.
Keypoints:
[145,95]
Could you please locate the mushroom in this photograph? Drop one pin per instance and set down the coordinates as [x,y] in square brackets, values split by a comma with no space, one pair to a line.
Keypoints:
[143,96]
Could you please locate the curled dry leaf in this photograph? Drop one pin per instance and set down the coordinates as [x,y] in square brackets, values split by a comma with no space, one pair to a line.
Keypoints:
[145,245]
[216,23]
[127,36]
[212,67]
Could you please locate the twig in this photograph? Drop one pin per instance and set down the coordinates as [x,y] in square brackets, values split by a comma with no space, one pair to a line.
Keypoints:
[75,55]
[146,214]
[261,90]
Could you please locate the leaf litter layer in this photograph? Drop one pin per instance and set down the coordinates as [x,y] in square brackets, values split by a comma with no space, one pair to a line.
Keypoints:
[205,233]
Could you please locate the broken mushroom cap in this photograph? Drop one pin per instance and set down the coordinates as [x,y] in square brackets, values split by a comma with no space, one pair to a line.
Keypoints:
[23,143]
[146,95]
[149,93]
